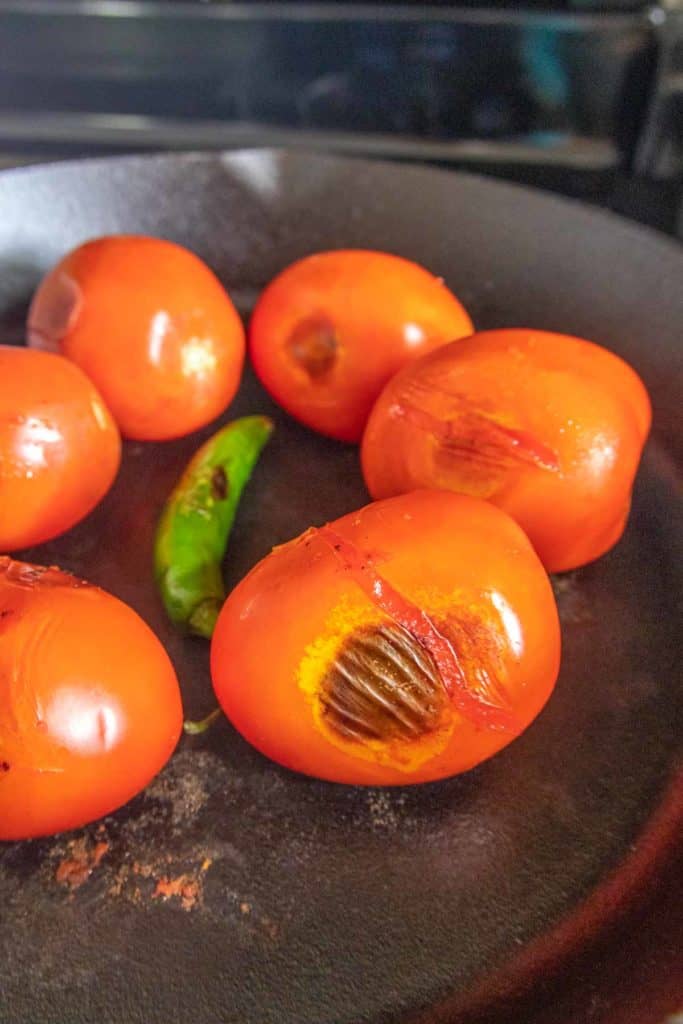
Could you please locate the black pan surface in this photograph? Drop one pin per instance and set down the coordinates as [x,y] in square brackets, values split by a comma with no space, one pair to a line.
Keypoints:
[310,903]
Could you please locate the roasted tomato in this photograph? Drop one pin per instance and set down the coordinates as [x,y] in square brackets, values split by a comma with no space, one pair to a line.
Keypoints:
[151,325]
[331,329]
[89,703]
[59,447]
[548,427]
[402,643]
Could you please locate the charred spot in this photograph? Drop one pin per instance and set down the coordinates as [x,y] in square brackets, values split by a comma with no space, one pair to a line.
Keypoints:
[383,686]
[219,483]
[4,766]
[313,345]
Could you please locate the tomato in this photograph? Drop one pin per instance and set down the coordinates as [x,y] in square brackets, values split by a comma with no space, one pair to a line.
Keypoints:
[89,703]
[328,333]
[59,447]
[548,427]
[151,325]
[402,643]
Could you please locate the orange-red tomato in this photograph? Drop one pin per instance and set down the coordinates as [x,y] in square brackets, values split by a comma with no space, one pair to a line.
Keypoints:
[151,325]
[548,427]
[328,333]
[59,447]
[89,703]
[404,642]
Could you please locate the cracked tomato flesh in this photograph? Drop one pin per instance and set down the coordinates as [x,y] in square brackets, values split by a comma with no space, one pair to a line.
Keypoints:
[402,643]
[548,427]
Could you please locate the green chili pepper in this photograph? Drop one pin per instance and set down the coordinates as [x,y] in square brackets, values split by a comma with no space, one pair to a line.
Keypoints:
[194,527]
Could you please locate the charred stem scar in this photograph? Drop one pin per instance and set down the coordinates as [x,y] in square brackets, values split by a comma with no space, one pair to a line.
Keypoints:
[471,434]
[194,528]
[313,345]
[416,622]
[383,685]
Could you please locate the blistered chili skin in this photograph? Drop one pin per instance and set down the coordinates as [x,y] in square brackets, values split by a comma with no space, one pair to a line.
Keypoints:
[195,524]
[406,642]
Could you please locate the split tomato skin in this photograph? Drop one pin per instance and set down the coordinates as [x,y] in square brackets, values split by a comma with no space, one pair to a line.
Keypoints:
[331,329]
[151,325]
[311,667]
[546,426]
[59,447]
[90,708]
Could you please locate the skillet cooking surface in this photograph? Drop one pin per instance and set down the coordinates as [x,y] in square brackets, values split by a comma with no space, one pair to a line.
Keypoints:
[310,903]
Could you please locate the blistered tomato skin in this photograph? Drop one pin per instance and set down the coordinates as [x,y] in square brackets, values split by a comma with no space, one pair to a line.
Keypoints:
[151,325]
[548,427]
[331,329]
[59,447]
[403,643]
[90,708]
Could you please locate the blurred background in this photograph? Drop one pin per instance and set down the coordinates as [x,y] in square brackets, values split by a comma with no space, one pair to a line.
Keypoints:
[579,96]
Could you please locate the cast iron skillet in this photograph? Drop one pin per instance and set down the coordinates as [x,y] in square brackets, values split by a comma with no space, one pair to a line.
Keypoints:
[505,894]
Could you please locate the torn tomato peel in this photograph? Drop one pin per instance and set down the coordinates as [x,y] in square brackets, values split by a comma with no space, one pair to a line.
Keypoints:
[417,622]
[487,438]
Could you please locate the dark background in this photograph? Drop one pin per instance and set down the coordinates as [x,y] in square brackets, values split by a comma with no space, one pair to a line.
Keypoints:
[579,96]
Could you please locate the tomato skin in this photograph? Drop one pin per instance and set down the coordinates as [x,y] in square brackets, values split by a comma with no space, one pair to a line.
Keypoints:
[151,325]
[460,560]
[90,708]
[548,427]
[59,447]
[331,329]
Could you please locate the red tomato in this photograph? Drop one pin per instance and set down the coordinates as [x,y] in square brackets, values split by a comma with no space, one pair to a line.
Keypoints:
[548,427]
[59,447]
[402,643]
[89,702]
[330,330]
[151,325]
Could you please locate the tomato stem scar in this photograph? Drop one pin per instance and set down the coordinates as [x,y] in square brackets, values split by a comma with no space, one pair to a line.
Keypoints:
[313,345]
[417,622]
